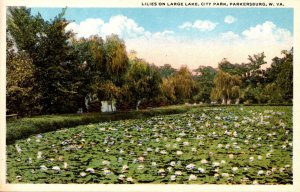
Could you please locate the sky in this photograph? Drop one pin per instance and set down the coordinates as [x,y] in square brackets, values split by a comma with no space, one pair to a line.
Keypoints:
[187,36]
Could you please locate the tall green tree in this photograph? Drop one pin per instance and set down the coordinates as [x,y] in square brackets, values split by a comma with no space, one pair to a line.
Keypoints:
[226,88]
[116,59]
[184,84]
[21,97]
[91,72]
[142,82]
[204,81]
[53,57]
[167,71]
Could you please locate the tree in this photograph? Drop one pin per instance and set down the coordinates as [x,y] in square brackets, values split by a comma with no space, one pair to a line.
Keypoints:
[53,57]
[142,82]
[184,84]
[20,94]
[116,59]
[166,71]
[226,88]
[280,75]
[204,81]
[91,72]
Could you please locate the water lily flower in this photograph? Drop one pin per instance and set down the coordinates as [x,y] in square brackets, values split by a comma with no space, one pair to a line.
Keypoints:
[190,166]
[273,169]
[170,169]
[216,164]
[194,149]
[179,152]
[192,177]
[56,168]
[246,168]
[201,170]
[255,182]
[153,164]
[173,177]
[124,168]
[204,161]
[225,175]
[149,149]
[260,172]
[65,165]
[178,139]
[177,173]
[19,150]
[251,159]
[121,177]
[231,156]
[43,168]
[105,162]
[163,152]
[223,161]
[156,149]
[129,179]
[39,155]
[268,173]
[259,157]
[82,174]
[227,146]
[235,134]
[234,169]
[19,178]
[281,169]
[107,172]
[29,160]
[216,175]
[140,167]
[161,171]
[172,163]
[141,159]
[186,143]
[220,146]
[287,166]
[91,170]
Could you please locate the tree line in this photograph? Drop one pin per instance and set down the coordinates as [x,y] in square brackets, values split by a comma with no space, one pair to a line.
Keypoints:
[50,71]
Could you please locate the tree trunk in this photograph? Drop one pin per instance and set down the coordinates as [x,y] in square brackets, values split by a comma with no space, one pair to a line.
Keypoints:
[228,101]
[137,105]
[237,101]
[223,101]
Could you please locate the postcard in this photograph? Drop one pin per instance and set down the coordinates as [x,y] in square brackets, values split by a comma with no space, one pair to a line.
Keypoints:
[149,95]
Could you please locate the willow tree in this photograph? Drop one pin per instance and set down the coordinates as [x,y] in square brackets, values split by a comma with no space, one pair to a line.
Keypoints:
[116,59]
[226,88]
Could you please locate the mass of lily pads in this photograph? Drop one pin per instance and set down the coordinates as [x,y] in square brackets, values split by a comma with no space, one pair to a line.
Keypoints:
[206,145]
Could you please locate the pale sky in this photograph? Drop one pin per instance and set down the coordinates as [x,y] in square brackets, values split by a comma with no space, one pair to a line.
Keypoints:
[191,37]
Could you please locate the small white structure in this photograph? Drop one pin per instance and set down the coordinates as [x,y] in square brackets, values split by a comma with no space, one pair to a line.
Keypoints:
[108,106]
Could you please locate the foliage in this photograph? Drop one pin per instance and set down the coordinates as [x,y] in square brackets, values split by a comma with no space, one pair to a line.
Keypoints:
[205,82]
[52,56]
[24,127]
[226,88]
[20,94]
[232,145]
[142,82]
[167,71]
